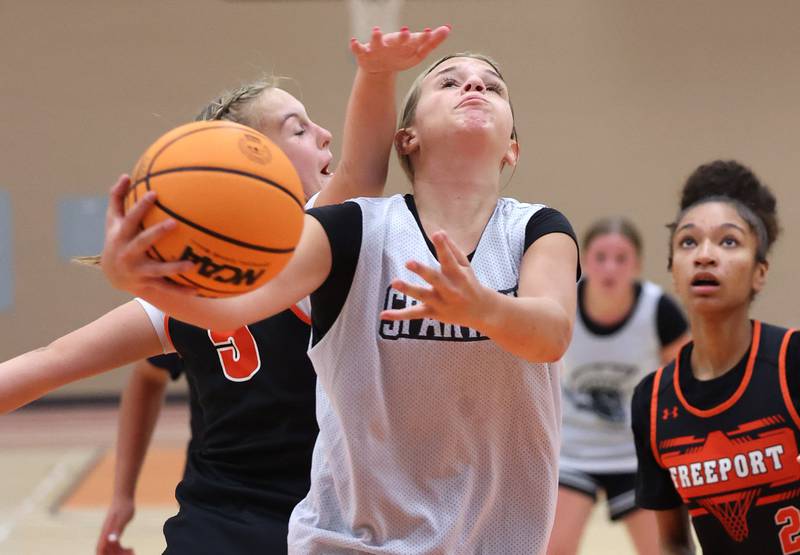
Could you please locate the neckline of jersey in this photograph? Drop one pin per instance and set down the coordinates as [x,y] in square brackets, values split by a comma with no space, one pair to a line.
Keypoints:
[601,329]
[412,207]
[728,403]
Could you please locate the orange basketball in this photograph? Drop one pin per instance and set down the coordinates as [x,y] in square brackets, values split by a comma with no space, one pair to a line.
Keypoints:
[236,198]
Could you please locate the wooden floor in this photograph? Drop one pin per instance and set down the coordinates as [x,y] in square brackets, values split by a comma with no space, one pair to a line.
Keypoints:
[57,467]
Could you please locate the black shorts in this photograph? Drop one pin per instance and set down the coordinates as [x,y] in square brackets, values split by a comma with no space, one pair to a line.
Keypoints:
[620,489]
[202,530]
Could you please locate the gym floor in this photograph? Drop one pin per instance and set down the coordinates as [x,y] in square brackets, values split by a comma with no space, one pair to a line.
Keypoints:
[57,468]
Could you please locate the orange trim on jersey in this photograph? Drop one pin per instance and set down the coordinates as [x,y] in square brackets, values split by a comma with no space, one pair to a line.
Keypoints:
[787,398]
[654,415]
[166,332]
[300,314]
[722,407]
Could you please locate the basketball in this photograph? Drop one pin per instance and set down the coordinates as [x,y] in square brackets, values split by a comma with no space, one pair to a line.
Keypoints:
[236,198]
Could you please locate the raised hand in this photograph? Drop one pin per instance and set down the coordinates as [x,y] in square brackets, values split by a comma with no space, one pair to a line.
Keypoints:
[124,259]
[455,295]
[396,51]
[119,515]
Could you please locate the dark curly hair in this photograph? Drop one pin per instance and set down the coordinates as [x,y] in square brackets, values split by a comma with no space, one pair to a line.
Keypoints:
[733,183]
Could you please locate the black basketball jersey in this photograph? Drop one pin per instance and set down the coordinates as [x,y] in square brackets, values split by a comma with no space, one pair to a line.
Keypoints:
[255,387]
[734,464]
[173,365]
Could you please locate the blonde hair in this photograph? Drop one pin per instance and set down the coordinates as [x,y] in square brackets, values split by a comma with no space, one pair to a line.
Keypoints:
[237,105]
[412,99]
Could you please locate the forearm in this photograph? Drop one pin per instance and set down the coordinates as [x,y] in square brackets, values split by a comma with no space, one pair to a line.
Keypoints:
[367,142]
[27,377]
[537,329]
[140,407]
[117,338]
[213,314]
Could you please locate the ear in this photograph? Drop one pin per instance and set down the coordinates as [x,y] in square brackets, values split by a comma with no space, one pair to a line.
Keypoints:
[512,154]
[760,276]
[405,141]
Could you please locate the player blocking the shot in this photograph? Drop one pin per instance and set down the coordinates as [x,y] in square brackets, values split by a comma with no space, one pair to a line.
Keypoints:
[716,430]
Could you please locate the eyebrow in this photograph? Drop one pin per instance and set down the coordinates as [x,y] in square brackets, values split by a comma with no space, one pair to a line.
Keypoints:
[289,116]
[726,224]
[455,67]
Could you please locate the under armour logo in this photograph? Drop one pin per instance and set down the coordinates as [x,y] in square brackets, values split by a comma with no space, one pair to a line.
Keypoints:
[666,414]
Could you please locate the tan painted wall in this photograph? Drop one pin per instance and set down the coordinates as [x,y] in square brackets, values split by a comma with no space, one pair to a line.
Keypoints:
[617,101]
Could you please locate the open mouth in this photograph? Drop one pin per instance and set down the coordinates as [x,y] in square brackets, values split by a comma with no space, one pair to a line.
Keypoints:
[326,170]
[705,283]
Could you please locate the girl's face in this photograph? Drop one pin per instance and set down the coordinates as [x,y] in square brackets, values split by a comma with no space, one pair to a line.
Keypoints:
[714,265]
[464,95]
[307,145]
[611,263]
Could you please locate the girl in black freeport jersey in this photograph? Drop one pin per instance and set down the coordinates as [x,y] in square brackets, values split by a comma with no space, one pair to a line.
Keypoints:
[717,430]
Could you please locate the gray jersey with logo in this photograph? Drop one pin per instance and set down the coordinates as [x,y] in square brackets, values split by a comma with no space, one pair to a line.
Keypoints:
[600,373]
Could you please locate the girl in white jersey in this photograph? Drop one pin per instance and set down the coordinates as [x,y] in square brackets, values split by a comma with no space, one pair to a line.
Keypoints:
[438,395]
[624,328]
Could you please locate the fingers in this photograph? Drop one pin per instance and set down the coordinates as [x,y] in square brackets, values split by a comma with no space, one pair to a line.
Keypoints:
[459,255]
[164,269]
[432,39]
[116,197]
[145,239]
[431,275]
[357,48]
[423,294]
[133,219]
[376,40]
[411,313]
[405,35]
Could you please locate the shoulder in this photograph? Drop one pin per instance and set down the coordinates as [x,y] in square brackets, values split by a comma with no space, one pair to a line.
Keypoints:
[642,395]
[540,221]
[652,289]
[774,344]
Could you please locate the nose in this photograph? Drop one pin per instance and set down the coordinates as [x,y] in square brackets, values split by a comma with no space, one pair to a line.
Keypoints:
[705,255]
[473,84]
[323,137]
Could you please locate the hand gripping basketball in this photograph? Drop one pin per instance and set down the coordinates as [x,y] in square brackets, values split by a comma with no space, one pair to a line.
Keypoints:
[124,260]
[216,194]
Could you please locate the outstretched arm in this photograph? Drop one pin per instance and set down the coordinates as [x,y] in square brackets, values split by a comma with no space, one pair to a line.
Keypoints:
[126,265]
[536,325]
[370,120]
[139,409]
[120,337]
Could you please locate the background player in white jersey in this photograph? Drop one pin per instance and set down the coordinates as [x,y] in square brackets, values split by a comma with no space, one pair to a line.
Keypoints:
[624,328]
[438,400]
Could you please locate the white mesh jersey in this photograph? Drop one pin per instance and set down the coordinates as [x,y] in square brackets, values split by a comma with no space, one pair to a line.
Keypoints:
[432,438]
[600,373]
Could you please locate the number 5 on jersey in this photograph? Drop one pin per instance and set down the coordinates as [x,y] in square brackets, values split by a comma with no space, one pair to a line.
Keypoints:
[238,353]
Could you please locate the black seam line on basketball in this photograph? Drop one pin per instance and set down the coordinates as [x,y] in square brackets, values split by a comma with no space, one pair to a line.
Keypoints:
[220,236]
[222,170]
[201,286]
[222,123]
